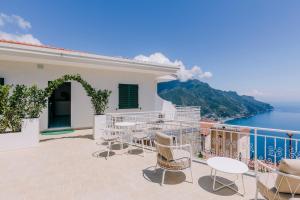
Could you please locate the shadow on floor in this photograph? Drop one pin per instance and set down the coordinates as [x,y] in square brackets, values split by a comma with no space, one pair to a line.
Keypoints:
[118,146]
[90,137]
[136,151]
[103,154]
[206,183]
[171,178]
[103,149]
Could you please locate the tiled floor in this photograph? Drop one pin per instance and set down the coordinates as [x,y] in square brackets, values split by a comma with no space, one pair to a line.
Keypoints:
[67,167]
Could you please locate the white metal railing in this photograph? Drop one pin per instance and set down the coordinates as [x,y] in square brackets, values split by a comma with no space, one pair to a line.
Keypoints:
[251,143]
[183,124]
[183,113]
[245,143]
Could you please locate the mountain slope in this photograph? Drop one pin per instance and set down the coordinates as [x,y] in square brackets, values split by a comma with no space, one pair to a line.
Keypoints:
[214,103]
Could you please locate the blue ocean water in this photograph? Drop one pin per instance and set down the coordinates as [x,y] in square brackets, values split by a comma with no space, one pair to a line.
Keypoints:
[286,117]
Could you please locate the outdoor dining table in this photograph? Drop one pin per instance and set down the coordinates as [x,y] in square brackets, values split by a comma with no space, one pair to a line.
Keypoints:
[229,166]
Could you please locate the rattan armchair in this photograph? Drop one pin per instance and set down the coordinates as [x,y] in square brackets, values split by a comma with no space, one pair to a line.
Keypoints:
[172,157]
[278,184]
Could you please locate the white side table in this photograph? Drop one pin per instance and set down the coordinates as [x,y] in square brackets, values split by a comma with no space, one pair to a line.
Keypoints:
[229,166]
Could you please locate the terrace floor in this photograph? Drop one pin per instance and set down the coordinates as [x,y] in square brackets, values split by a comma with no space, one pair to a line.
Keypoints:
[67,167]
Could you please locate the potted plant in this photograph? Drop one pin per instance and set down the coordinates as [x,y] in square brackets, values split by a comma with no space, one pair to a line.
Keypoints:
[99,99]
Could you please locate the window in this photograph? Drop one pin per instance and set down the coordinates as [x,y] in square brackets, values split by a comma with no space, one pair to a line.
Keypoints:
[128,96]
[1,81]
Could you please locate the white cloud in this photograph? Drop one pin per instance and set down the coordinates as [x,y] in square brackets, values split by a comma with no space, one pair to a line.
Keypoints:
[183,74]
[20,26]
[26,38]
[22,23]
[194,73]
[157,58]
[14,19]
[255,93]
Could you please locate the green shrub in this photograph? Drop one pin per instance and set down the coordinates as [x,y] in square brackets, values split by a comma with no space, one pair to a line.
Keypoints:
[99,100]
[11,108]
[36,101]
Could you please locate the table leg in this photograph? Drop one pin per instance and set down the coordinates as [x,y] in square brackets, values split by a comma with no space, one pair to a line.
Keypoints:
[213,175]
[244,191]
[214,183]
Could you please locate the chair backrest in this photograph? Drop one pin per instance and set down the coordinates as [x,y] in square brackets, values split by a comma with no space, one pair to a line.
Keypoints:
[286,184]
[166,140]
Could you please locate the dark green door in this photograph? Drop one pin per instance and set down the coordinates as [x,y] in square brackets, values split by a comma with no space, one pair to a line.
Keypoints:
[59,107]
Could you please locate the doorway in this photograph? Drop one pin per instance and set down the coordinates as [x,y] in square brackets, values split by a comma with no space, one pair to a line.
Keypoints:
[59,107]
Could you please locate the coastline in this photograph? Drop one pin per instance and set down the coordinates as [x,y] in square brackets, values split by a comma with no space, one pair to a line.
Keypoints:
[229,119]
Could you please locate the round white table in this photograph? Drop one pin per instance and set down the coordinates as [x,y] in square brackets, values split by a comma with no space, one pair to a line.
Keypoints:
[229,166]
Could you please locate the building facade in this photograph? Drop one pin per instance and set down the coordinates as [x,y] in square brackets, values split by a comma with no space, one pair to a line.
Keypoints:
[133,83]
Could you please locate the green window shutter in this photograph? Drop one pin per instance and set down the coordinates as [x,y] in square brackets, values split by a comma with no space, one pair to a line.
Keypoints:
[128,96]
[1,81]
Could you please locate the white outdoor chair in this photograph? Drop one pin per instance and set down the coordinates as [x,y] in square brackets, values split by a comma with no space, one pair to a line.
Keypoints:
[110,136]
[170,157]
[279,184]
[141,134]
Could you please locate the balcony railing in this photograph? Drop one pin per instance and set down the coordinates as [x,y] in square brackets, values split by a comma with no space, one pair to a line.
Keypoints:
[209,139]
[250,143]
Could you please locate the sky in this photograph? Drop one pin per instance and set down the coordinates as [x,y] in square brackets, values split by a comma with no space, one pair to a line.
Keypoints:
[249,46]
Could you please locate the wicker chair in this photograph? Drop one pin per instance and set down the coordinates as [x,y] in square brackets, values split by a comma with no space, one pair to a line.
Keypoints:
[279,184]
[170,157]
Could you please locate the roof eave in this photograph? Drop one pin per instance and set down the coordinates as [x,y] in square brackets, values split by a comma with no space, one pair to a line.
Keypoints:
[13,52]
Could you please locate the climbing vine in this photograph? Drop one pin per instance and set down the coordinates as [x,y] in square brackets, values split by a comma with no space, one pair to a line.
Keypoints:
[99,98]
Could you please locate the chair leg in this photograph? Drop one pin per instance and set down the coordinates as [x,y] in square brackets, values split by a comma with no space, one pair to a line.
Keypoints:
[256,193]
[191,174]
[142,141]
[108,149]
[121,143]
[163,177]
[151,143]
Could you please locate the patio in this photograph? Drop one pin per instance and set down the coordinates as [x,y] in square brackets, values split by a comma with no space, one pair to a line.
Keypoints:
[67,167]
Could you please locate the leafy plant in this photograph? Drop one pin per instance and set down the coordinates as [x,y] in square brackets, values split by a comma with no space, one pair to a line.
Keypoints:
[11,108]
[99,100]
[200,155]
[36,101]
[17,100]
[4,94]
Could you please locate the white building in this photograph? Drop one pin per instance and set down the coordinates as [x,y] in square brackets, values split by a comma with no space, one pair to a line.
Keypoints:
[69,106]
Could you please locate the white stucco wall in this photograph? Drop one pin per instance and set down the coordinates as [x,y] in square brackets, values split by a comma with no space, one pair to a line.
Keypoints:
[81,110]
[28,137]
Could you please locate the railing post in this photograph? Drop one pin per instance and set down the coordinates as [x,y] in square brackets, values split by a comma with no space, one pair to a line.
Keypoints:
[255,150]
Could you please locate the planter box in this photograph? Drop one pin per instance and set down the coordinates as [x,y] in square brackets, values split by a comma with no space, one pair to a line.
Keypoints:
[99,126]
[28,137]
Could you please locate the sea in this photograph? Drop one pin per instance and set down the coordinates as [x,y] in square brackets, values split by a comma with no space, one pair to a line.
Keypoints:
[284,116]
